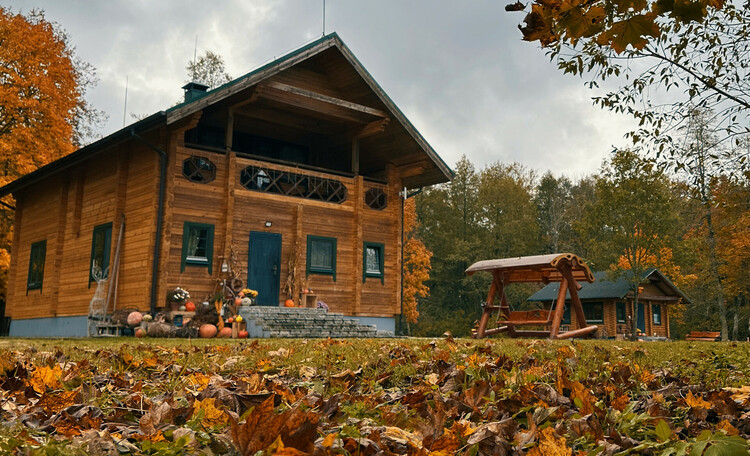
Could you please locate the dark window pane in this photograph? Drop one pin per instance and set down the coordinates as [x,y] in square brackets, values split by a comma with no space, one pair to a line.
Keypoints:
[322,255]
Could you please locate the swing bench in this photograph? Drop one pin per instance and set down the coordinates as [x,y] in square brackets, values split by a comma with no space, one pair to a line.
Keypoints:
[565,268]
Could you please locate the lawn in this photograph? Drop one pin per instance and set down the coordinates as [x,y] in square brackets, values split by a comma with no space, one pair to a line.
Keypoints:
[393,396]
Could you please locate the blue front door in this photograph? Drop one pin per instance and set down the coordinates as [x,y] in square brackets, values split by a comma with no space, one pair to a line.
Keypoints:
[641,322]
[264,266]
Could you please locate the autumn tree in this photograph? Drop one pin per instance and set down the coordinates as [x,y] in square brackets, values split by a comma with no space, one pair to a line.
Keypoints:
[416,265]
[43,112]
[208,69]
[553,199]
[633,216]
[669,57]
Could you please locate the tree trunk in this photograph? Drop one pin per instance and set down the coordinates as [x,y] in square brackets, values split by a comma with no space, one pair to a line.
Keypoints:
[736,320]
[714,267]
[634,320]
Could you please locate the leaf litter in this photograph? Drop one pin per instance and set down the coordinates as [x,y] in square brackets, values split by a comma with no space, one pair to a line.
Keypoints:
[374,397]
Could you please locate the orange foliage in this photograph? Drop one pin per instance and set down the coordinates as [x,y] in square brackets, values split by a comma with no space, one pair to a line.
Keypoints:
[40,99]
[663,261]
[416,264]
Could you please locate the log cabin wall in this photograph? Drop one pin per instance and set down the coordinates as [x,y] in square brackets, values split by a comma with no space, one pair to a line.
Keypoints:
[64,212]
[351,223]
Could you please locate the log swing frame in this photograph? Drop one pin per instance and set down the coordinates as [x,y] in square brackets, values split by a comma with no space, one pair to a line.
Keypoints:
[566,268]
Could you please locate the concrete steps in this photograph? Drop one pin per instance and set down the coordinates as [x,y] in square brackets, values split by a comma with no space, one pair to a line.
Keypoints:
[295,322]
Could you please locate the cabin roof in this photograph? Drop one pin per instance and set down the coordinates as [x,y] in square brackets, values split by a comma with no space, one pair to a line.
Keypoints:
[440,171]
[604,288]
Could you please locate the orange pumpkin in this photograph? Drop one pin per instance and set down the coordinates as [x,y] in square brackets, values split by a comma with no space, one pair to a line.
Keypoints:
[190,306]
[288,303]
[226,332]
[242,334]
[230,320]
[207,331]
[237,302]
[140,332]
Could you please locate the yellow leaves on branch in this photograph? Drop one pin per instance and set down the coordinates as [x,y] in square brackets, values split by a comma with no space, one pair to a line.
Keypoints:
[416,264]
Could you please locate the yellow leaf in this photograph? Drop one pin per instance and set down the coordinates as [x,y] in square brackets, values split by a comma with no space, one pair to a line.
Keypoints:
[550,444]
[199,381]
[329,440]
[696,402]
[46,377]
[212,416]
[727,427]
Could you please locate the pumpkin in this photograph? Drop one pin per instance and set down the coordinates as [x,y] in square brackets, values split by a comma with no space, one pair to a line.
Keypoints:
[140,332]
[135,318]
[247,301]
[207,331]
[288,303]
[230,320]
[190,306]
[242,334]
[226,332]
[237,302]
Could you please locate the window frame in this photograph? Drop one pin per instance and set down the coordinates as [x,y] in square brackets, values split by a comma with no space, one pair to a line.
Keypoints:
[590,305]
[202,166]
[36,248]
[654,313]
[309,268]
[380,247]
[106,228]
[188,260]
[618,306]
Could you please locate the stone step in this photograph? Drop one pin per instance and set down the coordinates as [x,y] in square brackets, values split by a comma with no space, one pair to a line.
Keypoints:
[294,322]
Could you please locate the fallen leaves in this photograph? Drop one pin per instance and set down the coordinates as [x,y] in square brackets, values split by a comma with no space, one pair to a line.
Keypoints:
[369,397]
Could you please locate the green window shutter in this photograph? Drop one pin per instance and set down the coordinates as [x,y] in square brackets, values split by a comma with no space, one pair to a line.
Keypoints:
[321,256]
[373,263]
[101,246]
[197,245]
[37,258]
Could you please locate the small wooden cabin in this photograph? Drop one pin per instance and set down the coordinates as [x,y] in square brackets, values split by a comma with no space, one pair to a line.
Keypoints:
[299,166]
[609,304]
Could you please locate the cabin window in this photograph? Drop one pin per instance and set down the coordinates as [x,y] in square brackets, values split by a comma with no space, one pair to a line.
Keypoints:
[101,245]
[656,312]
[268,180]
[594,312]
[198,169]
[36,265]
[321,256]
[375,198]
[620,312]
[373,264]
[197,245]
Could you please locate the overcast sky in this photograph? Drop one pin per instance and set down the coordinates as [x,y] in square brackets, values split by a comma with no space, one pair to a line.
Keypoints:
[458,70]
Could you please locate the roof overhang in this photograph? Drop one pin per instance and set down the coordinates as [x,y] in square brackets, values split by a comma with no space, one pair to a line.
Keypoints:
[85,153]
[537,268]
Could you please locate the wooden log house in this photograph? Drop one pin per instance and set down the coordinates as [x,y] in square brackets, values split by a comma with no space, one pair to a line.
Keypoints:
[297,167]
[610,305]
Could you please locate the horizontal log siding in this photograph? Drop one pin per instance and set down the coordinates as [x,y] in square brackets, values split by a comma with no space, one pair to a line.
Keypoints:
[37,210]
[199,203]
[141,198]
[96,182]
[204,203]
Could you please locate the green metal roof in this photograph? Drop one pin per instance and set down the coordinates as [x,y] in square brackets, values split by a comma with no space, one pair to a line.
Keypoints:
[604,288]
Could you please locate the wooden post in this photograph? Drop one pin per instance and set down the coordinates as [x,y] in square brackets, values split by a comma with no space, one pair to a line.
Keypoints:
[62,218]
[359,202]
[489,306]
[231,165]
[559,309]
[355,156]
[13,308]
[298,214]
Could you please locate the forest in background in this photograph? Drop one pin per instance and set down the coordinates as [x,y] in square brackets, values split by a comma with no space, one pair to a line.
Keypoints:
[633,214]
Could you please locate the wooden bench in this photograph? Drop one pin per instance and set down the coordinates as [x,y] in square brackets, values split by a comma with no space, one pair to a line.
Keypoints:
[704,336]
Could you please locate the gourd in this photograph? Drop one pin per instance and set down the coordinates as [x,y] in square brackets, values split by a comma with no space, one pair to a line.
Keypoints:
[135,318]
[207,331]
[288,303]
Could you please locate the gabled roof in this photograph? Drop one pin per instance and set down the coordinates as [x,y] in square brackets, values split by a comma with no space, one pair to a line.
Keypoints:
[603,288]
[229,89]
